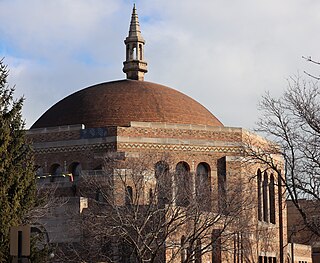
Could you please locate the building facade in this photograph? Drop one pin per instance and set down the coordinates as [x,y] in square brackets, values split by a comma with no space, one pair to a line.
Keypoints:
[298,232]
[164,180]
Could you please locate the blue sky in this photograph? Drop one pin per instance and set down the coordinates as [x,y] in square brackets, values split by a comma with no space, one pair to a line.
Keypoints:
[223,53]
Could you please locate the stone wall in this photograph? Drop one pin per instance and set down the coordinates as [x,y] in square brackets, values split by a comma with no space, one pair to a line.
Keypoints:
[301,253]
[62,221]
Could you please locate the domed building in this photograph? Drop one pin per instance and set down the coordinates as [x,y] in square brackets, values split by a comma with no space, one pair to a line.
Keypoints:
[151,175]
[118,103]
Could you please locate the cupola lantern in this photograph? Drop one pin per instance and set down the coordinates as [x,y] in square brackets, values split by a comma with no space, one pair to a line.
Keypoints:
[135,67]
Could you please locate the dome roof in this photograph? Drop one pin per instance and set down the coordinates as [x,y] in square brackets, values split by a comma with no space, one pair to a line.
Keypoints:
[117,103]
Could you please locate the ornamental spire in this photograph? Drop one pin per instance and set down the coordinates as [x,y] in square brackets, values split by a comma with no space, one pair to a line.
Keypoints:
[135,67]
[134,30]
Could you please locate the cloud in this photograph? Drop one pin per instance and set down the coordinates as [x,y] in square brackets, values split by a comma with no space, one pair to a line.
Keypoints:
[225,54]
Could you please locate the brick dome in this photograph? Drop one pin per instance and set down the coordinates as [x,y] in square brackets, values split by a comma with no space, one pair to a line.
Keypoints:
[117,103]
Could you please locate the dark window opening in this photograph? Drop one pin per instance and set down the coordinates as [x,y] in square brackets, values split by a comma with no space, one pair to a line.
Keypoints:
[151,196]
[183,253]
[203,186]
[216,246]
[272,201]
[183,184]
[75,170]
[55,170]
[164,183]
[198,252]
[140,51]
[259,186]
[265,198]
[129,195]
[222,184]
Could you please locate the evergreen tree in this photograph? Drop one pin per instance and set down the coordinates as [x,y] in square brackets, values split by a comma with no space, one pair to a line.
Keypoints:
[17,183]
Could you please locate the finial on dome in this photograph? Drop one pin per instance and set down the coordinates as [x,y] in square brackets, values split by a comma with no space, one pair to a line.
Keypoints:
[134,30]
[135,67]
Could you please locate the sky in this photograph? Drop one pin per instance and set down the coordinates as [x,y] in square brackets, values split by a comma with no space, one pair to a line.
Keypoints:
[225,54]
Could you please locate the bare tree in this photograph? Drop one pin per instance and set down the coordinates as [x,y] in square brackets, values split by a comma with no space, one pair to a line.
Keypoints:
[140,211]
[292,124]
[47,203]
[309,59]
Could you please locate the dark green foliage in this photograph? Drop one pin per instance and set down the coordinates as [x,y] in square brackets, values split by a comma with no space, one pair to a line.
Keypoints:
[39,253]
[17,183]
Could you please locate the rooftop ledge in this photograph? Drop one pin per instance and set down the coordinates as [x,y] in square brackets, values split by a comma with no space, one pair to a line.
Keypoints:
[156,125]
[74,127]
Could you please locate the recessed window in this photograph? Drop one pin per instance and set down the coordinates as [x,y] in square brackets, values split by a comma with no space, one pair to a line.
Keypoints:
[164,183]
[265,197]
[74,170]
[222,184]
[272,200]
[203,186]
[216,246]
[183,184]
[56,170]
[129,195]
[183,250]
[259,188]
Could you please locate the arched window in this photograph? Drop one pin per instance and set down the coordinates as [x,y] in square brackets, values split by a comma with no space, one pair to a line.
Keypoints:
[75,169]
[129,195]
[164,183]
[203,185]
[56,170]
[183,184]
[259,186]
[216,246]
[272,200]
[265,197]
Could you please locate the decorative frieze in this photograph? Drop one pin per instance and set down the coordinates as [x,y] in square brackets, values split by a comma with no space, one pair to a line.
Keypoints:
[176,147]
[76,148]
